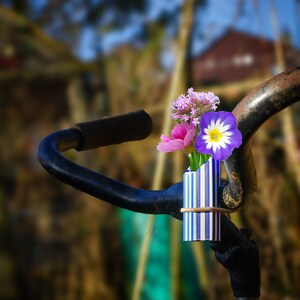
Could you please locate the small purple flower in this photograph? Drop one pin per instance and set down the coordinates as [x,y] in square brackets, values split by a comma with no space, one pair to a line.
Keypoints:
[218,135]
[190,107]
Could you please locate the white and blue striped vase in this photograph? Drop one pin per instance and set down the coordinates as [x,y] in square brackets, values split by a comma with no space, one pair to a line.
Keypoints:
[200,189]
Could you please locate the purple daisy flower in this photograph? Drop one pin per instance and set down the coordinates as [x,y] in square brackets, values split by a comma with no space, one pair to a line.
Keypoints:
[218,135]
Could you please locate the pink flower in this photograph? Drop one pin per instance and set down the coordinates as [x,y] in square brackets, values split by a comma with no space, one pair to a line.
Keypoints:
[182,138]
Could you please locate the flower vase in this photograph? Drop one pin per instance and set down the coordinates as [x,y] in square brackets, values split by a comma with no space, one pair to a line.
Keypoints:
[200,193]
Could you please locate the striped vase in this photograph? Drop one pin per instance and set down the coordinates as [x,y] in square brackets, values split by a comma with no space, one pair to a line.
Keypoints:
[200,189]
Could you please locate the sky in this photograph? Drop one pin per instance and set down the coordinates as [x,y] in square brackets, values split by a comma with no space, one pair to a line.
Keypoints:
[211,22]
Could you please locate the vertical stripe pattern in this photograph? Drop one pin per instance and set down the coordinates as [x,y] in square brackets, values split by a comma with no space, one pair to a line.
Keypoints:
[200,189]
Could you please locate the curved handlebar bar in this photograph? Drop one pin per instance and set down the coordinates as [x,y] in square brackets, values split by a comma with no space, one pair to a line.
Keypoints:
[129,127]
[251,112]
[259,105]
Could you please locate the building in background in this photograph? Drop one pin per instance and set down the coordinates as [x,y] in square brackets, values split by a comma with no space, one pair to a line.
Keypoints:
[238,56]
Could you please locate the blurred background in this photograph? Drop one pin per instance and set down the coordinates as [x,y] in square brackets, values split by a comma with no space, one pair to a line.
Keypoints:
[69,61]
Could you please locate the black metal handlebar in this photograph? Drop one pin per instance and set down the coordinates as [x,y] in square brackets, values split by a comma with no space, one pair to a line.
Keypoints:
[114,130]
[259,105]
[236,252]
[118,129]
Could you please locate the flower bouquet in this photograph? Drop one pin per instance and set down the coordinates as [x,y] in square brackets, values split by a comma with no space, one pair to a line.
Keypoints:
[206,137]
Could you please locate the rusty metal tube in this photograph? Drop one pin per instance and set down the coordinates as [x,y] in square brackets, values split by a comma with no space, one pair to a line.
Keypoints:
[257,107]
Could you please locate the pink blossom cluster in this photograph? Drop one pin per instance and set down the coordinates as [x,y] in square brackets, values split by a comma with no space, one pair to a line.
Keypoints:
[190,107]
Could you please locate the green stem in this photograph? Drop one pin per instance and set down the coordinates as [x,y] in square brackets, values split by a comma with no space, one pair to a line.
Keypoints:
[197,160]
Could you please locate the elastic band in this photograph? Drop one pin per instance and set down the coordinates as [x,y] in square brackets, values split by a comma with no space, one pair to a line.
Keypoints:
[209,209]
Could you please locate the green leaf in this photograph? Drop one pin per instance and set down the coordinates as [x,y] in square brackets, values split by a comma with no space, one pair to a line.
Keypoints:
[203,159]
[197,160]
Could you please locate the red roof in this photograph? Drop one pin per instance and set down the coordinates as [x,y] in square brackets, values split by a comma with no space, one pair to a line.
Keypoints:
[237,56]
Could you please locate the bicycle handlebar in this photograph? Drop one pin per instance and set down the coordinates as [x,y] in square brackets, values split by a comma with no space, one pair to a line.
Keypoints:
[98,185]
[263,102]
[114,130]
[235,252]
[251,112]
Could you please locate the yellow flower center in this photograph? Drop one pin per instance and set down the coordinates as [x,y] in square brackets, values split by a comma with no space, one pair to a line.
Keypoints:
[214,135]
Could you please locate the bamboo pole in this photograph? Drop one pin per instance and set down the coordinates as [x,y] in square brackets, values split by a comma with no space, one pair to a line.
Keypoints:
[175,233]
[290,148]
[290,143]
[271,190]
[185,29]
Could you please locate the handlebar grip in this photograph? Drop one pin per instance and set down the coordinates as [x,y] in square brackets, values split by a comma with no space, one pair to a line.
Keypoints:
[114,130]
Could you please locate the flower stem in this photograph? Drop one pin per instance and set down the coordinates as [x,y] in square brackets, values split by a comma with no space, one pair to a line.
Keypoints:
[203,158]
[197,160]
